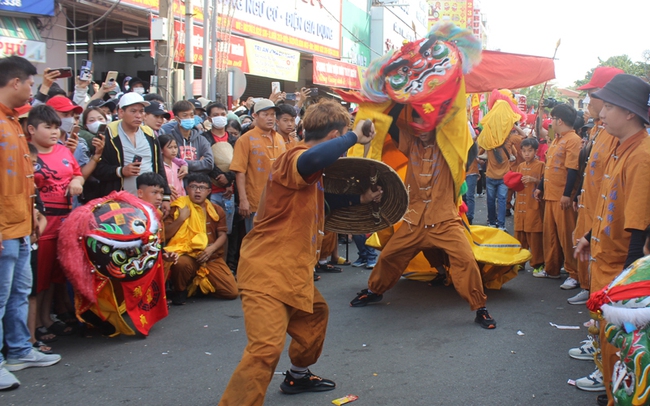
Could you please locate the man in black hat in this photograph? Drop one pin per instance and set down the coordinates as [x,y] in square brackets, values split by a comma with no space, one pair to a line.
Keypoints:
[155,115]
[622,214]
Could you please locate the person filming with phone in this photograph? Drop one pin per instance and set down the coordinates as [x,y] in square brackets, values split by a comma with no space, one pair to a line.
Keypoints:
[131,149]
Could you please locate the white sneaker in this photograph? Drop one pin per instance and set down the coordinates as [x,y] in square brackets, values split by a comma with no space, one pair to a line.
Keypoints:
[579,299]
[7,379]
[585,352]
[541,273]
[592,382]
[569,284]
[32,359]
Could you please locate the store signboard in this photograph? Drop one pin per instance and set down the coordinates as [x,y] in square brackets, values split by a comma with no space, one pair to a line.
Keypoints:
[153,6]
[311,26]
[459,12]
[355,44]
[272,61]
[33,51]
[179,43]
[251,56]
[37,7]
[333,73]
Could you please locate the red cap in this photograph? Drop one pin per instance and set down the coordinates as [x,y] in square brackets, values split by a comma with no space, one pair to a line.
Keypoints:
[601,76]
[546,123]
[63,104]
[513,181]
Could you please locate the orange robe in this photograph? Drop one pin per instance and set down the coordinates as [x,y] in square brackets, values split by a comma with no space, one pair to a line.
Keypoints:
[432,225]
[563,154]
[529,214]
[602,146]
[277,291]
[254,154]
[623,205]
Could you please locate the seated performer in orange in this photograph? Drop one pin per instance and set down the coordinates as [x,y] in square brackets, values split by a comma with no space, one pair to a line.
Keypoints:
[196,230]
[277,291]
[432,221]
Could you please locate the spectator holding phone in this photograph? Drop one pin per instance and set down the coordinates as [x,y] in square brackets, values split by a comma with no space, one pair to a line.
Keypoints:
[131,149]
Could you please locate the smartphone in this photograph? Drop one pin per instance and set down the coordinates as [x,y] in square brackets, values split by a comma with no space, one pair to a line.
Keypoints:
[291,96]
[101,130]
[64,72]
[75,130]
[111,76]
[86,68]
[275,87]
[137,158]
[314,92]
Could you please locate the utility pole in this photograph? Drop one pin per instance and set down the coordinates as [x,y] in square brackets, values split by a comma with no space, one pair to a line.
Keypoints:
[189,50]
[207,45]
[164,54]
[215,52]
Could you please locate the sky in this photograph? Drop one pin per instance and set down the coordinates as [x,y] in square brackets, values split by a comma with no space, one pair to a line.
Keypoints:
[589,29]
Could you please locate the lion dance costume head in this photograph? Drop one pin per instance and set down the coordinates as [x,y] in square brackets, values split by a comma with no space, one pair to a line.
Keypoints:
[113,243]
[625,306]
[426,74]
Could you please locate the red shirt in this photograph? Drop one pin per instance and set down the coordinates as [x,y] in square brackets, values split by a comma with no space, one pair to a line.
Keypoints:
[52,175]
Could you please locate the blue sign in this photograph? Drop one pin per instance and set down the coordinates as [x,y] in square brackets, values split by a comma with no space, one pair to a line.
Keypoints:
[38,7]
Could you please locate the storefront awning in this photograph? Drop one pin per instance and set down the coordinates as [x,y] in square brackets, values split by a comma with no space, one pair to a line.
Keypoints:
[19,36]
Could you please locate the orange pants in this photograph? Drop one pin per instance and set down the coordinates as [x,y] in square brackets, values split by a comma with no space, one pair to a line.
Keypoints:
[609,357]
[558,239]
[267,321]
[583,274]
[183,272]
[410,239]
[533,242]
[329,244]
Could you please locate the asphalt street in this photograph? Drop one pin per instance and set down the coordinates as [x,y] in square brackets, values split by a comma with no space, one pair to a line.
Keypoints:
[419,346]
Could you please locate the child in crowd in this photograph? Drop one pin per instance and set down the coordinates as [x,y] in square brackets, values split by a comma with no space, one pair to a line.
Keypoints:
[528,211]
[169,153]
[58,177]
[151,189]
[41,221]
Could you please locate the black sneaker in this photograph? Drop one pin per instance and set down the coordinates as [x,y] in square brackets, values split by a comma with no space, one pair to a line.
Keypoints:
[179,298]
[484,319]
[602,400]
[327,268]
[308,383]
[364,297]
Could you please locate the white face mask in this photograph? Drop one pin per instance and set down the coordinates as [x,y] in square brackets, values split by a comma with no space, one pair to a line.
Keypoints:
[109,118]
[219,121]
[94,126]
[138,90]
[67,123]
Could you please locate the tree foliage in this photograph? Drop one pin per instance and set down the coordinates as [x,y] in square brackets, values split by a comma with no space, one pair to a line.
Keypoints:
[534,93]
[641,69]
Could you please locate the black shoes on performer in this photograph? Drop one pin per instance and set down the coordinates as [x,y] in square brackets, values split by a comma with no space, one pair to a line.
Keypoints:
[308,383]
[484,319]
[364,297]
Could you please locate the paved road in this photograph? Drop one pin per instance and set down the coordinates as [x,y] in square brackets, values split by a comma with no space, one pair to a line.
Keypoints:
[419,346]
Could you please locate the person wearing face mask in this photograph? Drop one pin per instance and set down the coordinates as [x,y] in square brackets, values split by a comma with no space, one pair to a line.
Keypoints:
[192,147]
[136,85]
[66,110]
[222,184]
